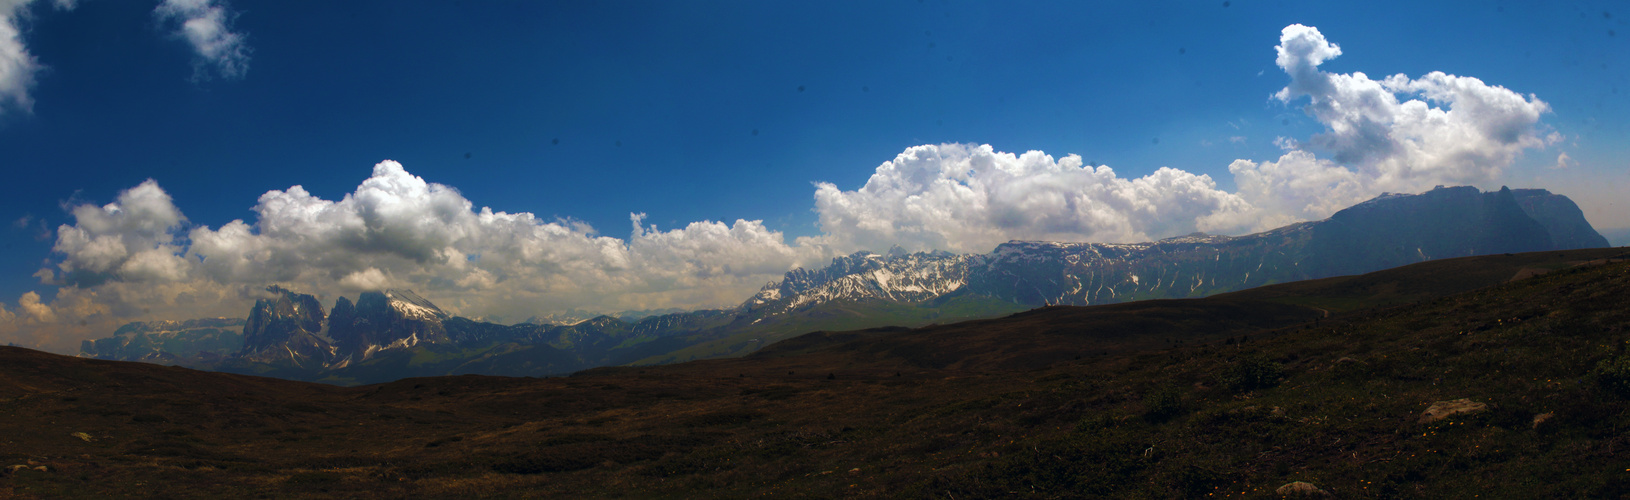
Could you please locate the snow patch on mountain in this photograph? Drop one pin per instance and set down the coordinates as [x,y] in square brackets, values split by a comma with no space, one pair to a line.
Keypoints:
[411,305]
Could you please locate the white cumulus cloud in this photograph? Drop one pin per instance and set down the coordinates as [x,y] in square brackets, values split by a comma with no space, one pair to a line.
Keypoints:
[364,280]
[130,239]
[398,230]
[1396,134]
[30,305]
[206,25]
[969,198]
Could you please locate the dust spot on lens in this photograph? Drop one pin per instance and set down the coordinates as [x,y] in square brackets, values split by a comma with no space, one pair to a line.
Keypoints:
[800,88]
[555,141]
[755,132]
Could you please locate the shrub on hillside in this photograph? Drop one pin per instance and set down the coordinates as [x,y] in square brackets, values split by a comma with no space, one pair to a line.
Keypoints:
[1163,403]
[1613,374]
[1252,372]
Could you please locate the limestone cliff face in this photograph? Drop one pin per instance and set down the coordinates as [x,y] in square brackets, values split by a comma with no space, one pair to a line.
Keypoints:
[385,320]
[1561,217]
[286,329]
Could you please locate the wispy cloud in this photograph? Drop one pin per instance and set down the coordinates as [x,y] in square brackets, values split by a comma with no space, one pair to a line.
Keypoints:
[17,66]
[207,26]
[1563,161]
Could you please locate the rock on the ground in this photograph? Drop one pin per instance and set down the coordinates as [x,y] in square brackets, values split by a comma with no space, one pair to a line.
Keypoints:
[1444,409]
[1300,488]
[1541,418]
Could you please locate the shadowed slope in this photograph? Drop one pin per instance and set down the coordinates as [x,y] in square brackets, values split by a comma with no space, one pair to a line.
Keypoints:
[1036,339]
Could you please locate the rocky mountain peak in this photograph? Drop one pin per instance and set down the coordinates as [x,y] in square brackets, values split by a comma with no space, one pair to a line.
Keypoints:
[385,320]
[286,328]
[410,304]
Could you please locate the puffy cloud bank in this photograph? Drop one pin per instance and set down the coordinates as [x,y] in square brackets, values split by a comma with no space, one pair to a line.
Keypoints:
[1453,130]
[967,198]
[397,230]
[131,239]
[139,255]
[1396,134]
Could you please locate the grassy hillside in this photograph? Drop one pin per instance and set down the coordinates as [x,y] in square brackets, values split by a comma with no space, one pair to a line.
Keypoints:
[1426,280]
[1232,395]
[838,316]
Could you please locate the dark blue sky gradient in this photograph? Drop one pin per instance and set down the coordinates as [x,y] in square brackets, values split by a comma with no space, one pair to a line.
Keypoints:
[475,94]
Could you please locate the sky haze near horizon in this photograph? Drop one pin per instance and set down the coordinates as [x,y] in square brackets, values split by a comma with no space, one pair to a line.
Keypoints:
[510,159]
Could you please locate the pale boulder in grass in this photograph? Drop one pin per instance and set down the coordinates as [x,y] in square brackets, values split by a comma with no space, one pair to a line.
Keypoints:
[1444,409]
[1300,489]
[1542,418]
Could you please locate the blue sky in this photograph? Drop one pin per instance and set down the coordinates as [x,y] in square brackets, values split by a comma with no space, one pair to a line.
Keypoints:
[583,113]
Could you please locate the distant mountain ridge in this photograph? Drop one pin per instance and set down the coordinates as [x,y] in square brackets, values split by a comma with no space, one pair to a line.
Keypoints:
[395,333]
[1388,231]
[161,341]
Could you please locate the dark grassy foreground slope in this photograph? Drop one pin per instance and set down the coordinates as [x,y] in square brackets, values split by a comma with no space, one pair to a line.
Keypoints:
[1231,395]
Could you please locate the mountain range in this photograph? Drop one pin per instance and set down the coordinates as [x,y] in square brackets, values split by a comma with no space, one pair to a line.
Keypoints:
[387,335]
[1505,375]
